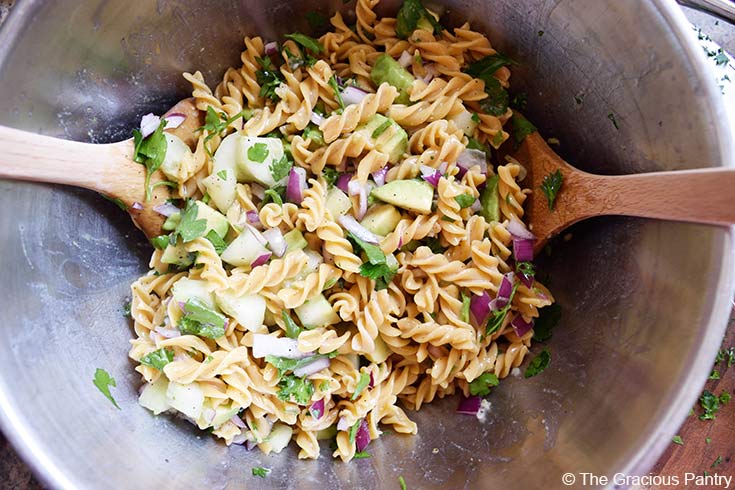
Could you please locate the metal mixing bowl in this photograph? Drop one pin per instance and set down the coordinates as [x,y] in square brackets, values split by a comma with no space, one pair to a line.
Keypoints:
[645,303]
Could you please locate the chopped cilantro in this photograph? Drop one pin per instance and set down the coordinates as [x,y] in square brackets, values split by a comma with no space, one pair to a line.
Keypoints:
[488,65]
[402,483]
[314,134]
[126,309]
[720,58]
[726,354]
[102,380]
[330,175]
[201,320]
[382,128]
[215,123]
[268,78]
[293,388]
[217,242]
[611,117]
[540,33]
[715,374]
[497,317]
[496,102]
[711,405]
[362,383]
[377,267]
[284,364]
[189,227]
[481,386]
[538,364]
[520,100]
[258,152]
[526,269]
[158,358]
[717,462]
[315,19]
[434,244]
[677,440]
[465,200]
[150,151]
[274,195]
[160,241]
[522,127]
[307,42]
[280,169]
[545,323]
[409,16]
[337,93]
[708,440]
[292,330]
[260,471]
[475,117]
[353,431]
[362,455]
[465,312]
[551,185]
[474,144]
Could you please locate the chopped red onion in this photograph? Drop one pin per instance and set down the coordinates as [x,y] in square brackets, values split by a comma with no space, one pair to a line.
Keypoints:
[260,260]
[296,185]
[471,157]
[362,438]
[276,241]
[379,176]
[405,59]
[258,235]
[519,230]
[353,95]
[316,409]
[343,424]
[253,218]
[148,124]
[240,439]
[168,333]
[443,167]
[527,281]
[521,326]
[504,291]
[238,422]
[257,191]
[523,249]
[313,367]
[250,445]
[350,224]
[343,182]
[166,209]
[355,188]
[480,308]
[174,120]
[430,175]
[317,119]
[469,406]
[476,206]
[372,380]
[430,72]
[137,206]
[268,345]
[271,48]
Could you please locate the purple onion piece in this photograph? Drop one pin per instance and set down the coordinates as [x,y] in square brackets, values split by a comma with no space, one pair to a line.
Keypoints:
[526,280]
[405,60]
[469,406]
[166,209]
[506,286]
[521,326]
[257,234]
[523,249]
[260,260]
[174,120]
[238,422]
[430,175]
[296,185]
[137,206]
[148,124]
[253,218]
[471,157]
[257,191]
[312,368]
[342,424]
[519,230]
[480,308]
[372,380]
[317,119]
[271,48]
[276,242]
[362,438]
[343,182]
[250,445]
[379,176]
[353,95]
[350,224]
[317,409]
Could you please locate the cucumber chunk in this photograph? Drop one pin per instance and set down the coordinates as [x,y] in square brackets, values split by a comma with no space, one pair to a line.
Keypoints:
[412,195]
[243,250]
[255,155]
[185,289]
[215,220]
[380,353]
[187,399]
[278,439]
[222,191]
[316,312]
[295,240]
[248,310]
[177,255]
[153,397]
[381,219]
[337,203]
[177,153]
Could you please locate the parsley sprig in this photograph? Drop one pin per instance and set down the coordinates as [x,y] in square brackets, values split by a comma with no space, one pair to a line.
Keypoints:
[377,267]
[411,13]
[268,78]
[551,185]
[216,123]
[102,380]
[150,151]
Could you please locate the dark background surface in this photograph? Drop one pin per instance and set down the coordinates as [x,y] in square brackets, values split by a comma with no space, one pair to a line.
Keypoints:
[696,455]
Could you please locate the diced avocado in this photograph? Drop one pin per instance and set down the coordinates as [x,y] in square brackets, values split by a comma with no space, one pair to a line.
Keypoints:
[171,222]
[243,250]
[380,353]
[177,255]
[386,69]
[337,202]
[222,191]
[295,240]
[248,310]
[215,220]
[153,397]
[463,121]
[185,289]
[255,155]
[176,154]
[489,200]
[278,439]
[187,399]
[424,24]
[387,135]
[381,219]
[317,312]
[412,195]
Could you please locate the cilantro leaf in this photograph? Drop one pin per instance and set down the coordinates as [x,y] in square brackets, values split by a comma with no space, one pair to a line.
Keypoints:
[402,483]
[551,185]
[284,364]
[434,244]
[189,227]
[150,151]
[362,383]
[488,65]
[158,358]
[102,380]
[258,152]
[715,374]
[268,78]
[465,312]
[382,128]
[337,92]
[538,364]
[274,195]
[481,386]
[373,252]
[222,174]
[280,169]
[377,267]
[260,471]
[353,431]
[201,320]
[217,241]
[725,397]
[412,12]
[547,320]
[160,242]
[474,144]
[522,127]
[362,455]
[677,440]
[307,42]
[292,330]
[126,309]
[216,123]
[465,200]
[331,175]
[293,388]
[496,103]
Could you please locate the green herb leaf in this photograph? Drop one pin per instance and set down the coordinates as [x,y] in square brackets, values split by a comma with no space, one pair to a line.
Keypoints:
[126,309]
[292,330]
[402,482]
[465,312]
[520,100]
[474,144]
[465,200]
[496,102]
[538,364]
[481,386]
[160,242]
[715,374]
[102,380]
[331,175]
[677,440]
[434,244]
[201,320]
[487,66]
[217,241]
[150,152]
[215,123]
[280,169]
[307,42]
[274,195]
[158,358]
[118,202]
[362,383]
[725,397]
[409,16]
[711,405]
[353,431]
[284,364]
[268,78]
[316,136]
[708,440]
[293,388]
[497,317]
[337,93]
[189,227]
[260,471]
[548,318]
[522,127]
[551,185]
[258,152]
[475,117]
[373,252]
[382,128]
[717,462]
[377,268]
[362,455]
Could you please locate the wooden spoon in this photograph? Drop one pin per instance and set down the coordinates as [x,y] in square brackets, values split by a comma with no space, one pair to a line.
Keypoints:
[108,169]
[698,196]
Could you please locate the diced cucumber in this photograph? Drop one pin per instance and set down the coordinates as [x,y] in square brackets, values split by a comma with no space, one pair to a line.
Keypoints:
[177,255]
[215,220]
[314,260]
[489,200]
[248,310]
[386,69]
[176,153]
[337,202]
[380,353]
[222,191]
[381,219]
[295,240]
[185,289]
[463,121]
[153,397]
[215,417]
[413,195]
[171,222]
[255,155]
[243,250]
[316,312]
[278,439]
[224,413]
[187,399]
[387,136]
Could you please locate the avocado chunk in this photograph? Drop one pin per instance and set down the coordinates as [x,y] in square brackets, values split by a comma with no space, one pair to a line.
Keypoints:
[177,255]
[387,135]
[412,195]
[381,219]
[489,200]
[215,220]
[337,202]
[388,70]
[295,240]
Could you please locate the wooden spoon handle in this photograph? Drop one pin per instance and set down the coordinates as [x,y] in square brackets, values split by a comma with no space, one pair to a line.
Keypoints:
[698,196]
[104,168]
